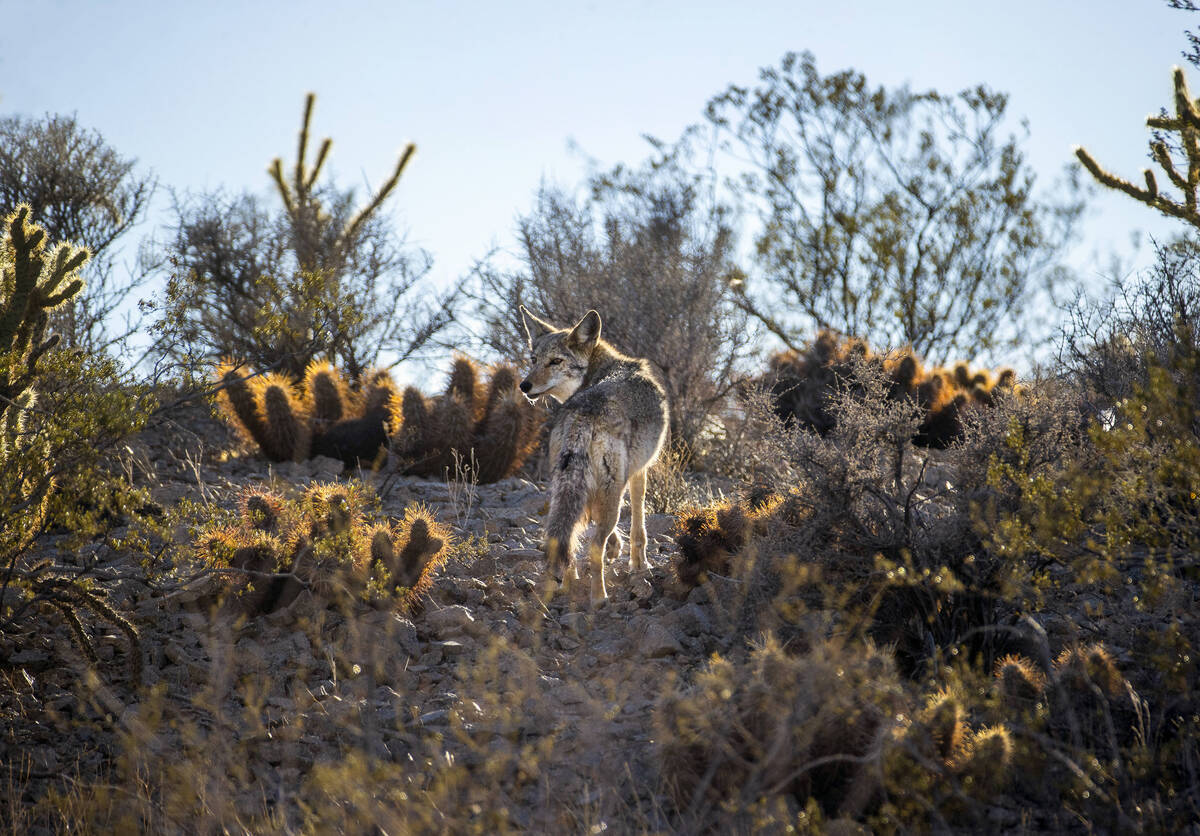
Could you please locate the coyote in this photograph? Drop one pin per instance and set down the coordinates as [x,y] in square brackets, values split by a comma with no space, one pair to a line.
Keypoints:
[610,429]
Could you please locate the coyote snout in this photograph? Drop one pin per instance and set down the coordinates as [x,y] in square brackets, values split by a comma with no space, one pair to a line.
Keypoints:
[610,429]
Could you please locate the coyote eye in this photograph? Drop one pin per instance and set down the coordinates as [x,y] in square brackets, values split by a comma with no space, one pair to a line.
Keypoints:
[555,361]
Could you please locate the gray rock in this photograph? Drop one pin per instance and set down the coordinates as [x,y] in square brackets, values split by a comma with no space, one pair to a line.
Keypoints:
[655,641]
[690,620]
[524,554]
[451,649]
[438,717]
[658,525]
[575,622]
[452,621]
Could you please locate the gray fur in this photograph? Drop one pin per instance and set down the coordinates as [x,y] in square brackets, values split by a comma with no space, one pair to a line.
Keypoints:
[610,430]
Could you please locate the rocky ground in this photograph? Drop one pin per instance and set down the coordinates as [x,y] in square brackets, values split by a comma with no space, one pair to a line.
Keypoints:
[485,708]
[482,676]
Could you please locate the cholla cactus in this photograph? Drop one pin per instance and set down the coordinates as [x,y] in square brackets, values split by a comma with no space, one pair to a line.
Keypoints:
[427,436]
[495,422]
[34,280]
[328,395]
[1185,123]
[984,765]
[945,721]
[1018,680]
[803,386]
[322,540]
[32,283]
[1078,668]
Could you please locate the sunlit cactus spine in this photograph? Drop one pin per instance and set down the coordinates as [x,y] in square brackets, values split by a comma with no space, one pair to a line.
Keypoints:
[238,402]
[502,384]
[488,429]
[412,437]
[327,395]
[452,426]
[1018,680]
[286,433]
[464,384]
[322,540]
[504,437]
[1081,667]
[985,763]
[379,392]
[709,538]
[260,510]
[422,551]
[944,718]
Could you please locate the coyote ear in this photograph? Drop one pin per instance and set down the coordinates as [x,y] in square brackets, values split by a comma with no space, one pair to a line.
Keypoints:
[534,327]
[587,332]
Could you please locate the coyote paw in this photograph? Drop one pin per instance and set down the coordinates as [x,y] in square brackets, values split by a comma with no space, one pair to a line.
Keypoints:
[599,595]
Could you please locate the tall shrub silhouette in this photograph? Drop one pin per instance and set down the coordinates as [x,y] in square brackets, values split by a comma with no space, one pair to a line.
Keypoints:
[81,190]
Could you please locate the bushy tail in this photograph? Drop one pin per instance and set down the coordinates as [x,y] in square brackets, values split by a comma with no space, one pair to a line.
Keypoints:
[569,489]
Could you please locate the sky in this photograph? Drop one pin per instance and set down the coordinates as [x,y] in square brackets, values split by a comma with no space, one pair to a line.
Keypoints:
[501,96]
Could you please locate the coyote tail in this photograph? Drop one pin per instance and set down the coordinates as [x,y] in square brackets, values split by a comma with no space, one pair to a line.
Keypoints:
[569,491]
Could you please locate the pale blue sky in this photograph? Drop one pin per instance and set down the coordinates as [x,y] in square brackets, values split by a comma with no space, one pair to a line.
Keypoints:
[206,94]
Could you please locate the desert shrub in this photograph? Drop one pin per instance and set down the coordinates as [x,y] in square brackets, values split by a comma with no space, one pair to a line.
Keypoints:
[319,278]
[863,521]
[647,252]
[777,729]
[1111,344]
[325,541]
[826,737]
[1118,526]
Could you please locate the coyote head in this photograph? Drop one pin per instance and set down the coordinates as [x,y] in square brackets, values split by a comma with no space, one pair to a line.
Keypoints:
[558,358]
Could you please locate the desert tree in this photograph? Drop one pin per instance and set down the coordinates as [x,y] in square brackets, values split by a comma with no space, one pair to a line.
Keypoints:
[899,216]
[83,191]
[650,249]
[318,276]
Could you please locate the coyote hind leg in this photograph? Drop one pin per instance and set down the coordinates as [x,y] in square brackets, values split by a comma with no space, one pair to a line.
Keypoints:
[606,509]
[637,521]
